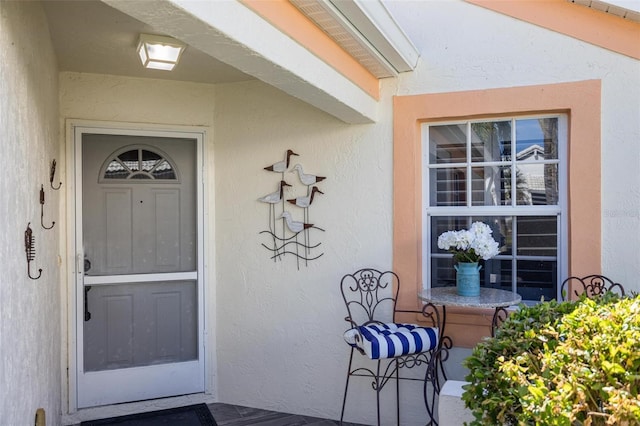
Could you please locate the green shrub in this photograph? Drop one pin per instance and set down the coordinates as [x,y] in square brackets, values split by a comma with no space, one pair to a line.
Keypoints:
[569,363]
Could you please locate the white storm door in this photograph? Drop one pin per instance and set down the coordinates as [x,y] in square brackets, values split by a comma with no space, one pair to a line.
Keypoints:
[139,322]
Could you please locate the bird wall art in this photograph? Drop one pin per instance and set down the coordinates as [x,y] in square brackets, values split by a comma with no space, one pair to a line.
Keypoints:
[289,230]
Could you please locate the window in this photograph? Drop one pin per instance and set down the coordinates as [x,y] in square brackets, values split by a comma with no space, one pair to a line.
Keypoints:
[580,189]
[138,163]
[509,173]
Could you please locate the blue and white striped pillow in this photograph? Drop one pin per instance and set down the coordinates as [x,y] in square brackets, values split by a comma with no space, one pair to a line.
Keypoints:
[391,340]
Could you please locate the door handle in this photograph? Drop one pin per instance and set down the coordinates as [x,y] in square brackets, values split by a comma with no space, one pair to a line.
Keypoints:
[87,314]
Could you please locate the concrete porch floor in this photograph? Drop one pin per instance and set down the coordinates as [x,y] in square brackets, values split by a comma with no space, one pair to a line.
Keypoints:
[235,415]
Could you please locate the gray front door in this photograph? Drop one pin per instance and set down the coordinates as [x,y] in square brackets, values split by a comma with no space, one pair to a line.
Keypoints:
[139,327]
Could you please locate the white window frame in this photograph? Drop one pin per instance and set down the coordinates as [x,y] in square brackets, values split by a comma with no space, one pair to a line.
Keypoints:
[513,210]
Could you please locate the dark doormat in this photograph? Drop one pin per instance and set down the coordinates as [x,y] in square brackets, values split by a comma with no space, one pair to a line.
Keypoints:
[191,415]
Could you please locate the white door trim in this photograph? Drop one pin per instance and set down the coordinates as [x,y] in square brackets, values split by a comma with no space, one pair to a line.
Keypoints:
[74,260]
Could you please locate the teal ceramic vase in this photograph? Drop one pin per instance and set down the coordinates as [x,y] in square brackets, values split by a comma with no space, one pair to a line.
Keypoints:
[468,279]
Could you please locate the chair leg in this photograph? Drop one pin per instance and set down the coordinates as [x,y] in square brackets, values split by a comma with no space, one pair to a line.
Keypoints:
[378,391]
[346,387]
[397,392]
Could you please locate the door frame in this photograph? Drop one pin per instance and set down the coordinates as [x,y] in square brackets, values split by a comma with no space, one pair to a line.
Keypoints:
[74,130]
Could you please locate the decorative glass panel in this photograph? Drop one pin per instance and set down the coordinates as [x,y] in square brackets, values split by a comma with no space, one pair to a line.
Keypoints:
[130,159]
[163,170]
[116,170]
[149,160]
[140,164]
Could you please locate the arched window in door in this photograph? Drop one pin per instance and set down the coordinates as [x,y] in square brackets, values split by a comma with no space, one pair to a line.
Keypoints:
[138,162]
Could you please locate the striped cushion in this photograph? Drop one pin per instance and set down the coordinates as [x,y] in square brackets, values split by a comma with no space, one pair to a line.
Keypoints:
[392,340]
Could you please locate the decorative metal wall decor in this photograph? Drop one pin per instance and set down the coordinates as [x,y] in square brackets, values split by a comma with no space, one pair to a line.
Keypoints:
[284,240]
[52,174]
[42,210]
[30,250]
[29,239]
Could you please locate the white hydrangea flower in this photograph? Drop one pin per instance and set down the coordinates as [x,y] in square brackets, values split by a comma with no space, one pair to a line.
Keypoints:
[470,245]
[447,240]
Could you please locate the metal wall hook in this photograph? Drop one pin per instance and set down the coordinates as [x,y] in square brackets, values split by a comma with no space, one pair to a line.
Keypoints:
[42,209]
[30,250]
[52,174]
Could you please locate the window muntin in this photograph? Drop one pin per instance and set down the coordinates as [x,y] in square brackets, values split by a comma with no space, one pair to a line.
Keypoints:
[138,163]
[480,169]
[507,173]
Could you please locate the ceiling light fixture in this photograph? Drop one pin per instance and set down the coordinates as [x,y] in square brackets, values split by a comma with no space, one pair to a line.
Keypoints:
[159,52]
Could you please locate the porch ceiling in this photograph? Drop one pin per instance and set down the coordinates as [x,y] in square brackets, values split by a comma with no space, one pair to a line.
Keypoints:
[228,43]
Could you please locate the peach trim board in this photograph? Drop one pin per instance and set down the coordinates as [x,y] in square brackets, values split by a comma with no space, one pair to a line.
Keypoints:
[579,100]
[592,26]
[288,19]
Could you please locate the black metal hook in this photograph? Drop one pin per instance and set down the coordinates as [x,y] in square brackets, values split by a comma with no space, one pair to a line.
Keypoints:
[42,209]
[52,174]
[30,250]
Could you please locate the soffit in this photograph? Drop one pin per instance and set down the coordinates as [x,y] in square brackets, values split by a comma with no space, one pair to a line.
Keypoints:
[237,36]
[91,36]
[96,36]
[366,30]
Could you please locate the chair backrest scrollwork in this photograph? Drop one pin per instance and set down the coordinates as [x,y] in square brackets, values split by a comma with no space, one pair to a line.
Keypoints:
[591,285]
[370,296]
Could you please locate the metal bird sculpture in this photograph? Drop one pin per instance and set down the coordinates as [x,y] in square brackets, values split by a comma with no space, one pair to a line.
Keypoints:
[275,197]
[305,178]
[305,201]
[294,226]
[281,166]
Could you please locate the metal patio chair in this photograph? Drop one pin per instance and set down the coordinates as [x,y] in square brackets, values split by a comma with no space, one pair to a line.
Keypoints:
[370,297]
[591,285]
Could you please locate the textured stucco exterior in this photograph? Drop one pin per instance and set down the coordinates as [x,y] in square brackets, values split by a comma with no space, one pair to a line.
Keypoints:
[30,312]
[273,331]
[475,56]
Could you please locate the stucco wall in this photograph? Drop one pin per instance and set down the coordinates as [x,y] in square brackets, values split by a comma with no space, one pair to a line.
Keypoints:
[490,50]
[277,329]
[278,307]
[279,335]
[30,314]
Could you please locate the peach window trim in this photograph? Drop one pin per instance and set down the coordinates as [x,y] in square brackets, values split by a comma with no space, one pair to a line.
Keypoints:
[581,101]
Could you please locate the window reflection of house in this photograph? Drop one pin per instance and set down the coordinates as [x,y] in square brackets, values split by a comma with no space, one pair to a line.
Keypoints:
[533,173]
